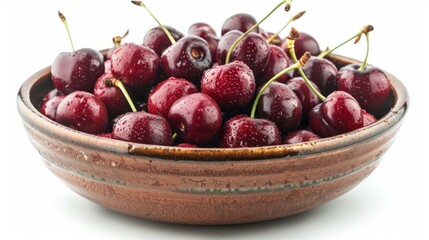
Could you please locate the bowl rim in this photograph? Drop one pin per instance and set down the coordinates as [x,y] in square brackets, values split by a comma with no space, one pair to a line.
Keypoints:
[32,117]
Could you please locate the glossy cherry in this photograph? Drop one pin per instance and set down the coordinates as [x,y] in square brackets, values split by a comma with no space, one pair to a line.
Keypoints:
[300,136]
[368,118]
[305,42]
[166,93]
[188,59]
[143,127]
[232,85]
[196,118]
[206,32]
[49,107]
[136,65]
[158,41]
[242,131]
[241,22]
[111,96]
[84,112]
[277,62]
[305,95]
[225,43]
[186,145]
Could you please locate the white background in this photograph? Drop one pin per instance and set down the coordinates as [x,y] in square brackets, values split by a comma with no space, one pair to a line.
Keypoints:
[392,202]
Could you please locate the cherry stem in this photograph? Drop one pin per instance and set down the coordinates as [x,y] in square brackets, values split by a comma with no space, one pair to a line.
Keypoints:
[298,64]
[64,20]
[296,17]
[290,44]
[118,39]
[228,56]
[114,82]
[357,37]
[362,67]
[141,4]
[288,4]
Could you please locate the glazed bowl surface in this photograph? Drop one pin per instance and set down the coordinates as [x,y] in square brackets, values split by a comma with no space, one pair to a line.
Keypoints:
[208,186]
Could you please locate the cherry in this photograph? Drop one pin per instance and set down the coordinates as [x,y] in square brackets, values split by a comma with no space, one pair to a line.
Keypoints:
[306,96]
[280,104]
[206,32]
[232,85]
[186,145]
[225,43]
[187,59]
[112,97]
[49,95]
[241,22]
[117,43]
[305,42]
[84,112]
[196,118]
[136,65]
[322,72]
[106,135]
[50,106]
[166,93]
[143,127]
[277,62]
[368,118]
[108,66]
[158,41]
[300,136]
[77,70]
[242,131]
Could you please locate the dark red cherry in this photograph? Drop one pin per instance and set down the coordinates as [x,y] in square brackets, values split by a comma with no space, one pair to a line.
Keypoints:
[77,71]
[339,113]
[322,72]
[307,97]
[106,135]
[84,112]
[300,136]
[49,107]
[111,96]
[239,21]
[207,33]
[49,95]
[186,145]
[143,127]
[166,93]
[242,131]
[368,118]
[136,65]
[232,85]
[277,62]
[305,42]
[254,51]
[199,27]
[187,59]
[196,118]
[280,104]
[108,66]
[157,40]
[370,87]
[225,43]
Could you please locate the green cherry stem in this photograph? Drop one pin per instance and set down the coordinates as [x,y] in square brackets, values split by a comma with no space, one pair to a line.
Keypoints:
[300,63]
[296,17]
[64,20]
[118,39]
[365,30]
[141,4]
[362,67]
[290,44]
[228,56]
[114,82]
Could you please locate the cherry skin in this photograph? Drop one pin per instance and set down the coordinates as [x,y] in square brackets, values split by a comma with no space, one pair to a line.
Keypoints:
[254,51]
[232,85]
[111,96]
[51,94]
[322,72]
[339,113]
[305,42]
[199,27]
[187,59]
[84,112]
[277,62]
[108,66]
[242,131]
[106,135]
[166,93]
[186,145]
[77,71]
[136,65]
[196,118]
[280,104]
[241,22]
[225,43]
[157,40]
[206,32]
[50,106]
[143,127]
[307,97]
[368,118]
[300,136]
[370,87]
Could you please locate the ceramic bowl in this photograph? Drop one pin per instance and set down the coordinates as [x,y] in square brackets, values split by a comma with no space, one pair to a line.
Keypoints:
[208,186]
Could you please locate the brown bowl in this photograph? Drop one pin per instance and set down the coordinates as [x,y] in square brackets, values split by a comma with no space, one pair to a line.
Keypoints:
[208,186]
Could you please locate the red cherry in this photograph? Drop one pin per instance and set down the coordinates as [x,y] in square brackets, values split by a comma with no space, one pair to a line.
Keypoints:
[300,136]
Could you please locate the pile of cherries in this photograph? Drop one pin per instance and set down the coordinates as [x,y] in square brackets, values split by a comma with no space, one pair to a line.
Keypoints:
[245,88]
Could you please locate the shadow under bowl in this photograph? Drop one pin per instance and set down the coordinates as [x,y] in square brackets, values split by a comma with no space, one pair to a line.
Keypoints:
[208,186]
